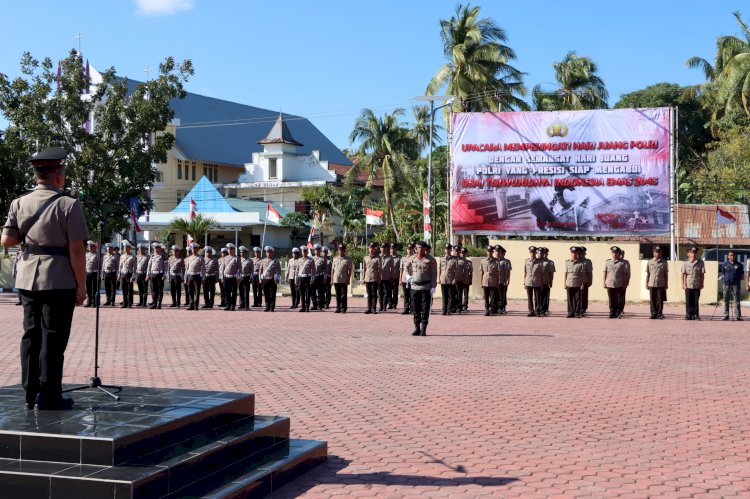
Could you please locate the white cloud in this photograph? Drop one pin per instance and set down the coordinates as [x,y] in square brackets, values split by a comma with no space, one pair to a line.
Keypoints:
[163,7]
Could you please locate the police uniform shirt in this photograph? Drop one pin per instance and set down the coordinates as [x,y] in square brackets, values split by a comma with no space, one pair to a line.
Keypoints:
[176,266]
[92,262]
[386,267]
[231,266]
[396,269]
[329,265]
[60,224]
[306,267]
[732,273]
[195,266]
[320,265]
[221,266]
[158,265]
[588,274]
[127,264]
[110,263]
[548,271]
[468,271]
[448,269]
[505,267]
[212,266]
[404,260]
[247,267]
[575,271]
[534,269]
[291,269]
[490,268]
[460,268]
[342,268]
[694,273]
[373,268]
[618,273]
[269,267]
[658,269]
[424,272]
[256,266]
[141,264]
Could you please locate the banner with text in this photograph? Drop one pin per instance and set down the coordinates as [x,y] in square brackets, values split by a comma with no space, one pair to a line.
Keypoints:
[561,172]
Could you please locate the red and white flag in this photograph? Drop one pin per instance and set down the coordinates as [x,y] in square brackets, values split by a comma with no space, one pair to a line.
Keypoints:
[272,215]
[724,217]
[373,217]
[310,237]
[193,208]
[134,218]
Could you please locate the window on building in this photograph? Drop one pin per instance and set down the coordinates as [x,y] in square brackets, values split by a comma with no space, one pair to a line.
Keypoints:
[159,176]
[216,174]
[179,169]
[272,173]
[206,173]
[193,171]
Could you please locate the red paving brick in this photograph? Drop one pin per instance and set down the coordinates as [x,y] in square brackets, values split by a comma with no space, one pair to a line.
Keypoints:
[497,407]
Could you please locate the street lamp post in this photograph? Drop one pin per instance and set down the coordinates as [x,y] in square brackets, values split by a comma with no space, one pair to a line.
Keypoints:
[448,101]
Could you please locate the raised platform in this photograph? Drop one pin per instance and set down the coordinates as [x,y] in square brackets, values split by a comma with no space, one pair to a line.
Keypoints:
[154,442]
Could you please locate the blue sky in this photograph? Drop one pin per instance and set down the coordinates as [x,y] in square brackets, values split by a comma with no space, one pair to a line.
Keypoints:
[329,59]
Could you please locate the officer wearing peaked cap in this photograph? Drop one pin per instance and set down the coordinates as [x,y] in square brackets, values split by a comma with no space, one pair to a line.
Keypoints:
[532,277]
[110,265]
[247,271]
[220,277]
[386,269]
[506,268]
[410,251]
[548,277]
[291,276]
[211,265]
[327,283]
[447,278]
[230,275]
[422,276]
[341,275]
[126,275]
[616,281]
[588,280]
[257,285]
[305,276]
[92,274]
[270,275]
[371,268]
[176,276]
[657,282]
[321,267]
[489,276]
[693,276]
[141,272]
[51,276]
[575,270]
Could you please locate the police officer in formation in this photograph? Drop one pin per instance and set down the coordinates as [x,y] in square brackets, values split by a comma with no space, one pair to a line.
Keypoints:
[421,275]
[231,275]
[341,275]
[575,270]
[141,272]
[176,276]
[195,272]
[693,276]
[548,277]
[92,274]
[395,277]
[247,277]
[110,266]
[291,277]
[616,281]
[731,274]
[327,284]
[657,282]
[372,266]
[588,280]
[305,279]
[224,252]
[386,269]
[269,277]
[447,278]
[158,268]
[489,276]
[211,264]
[126,275]
[532,281]
[505,269]
[257,285]
[404,285]
[321,266]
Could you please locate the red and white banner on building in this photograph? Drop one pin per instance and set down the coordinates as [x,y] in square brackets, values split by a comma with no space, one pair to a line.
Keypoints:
[533,173]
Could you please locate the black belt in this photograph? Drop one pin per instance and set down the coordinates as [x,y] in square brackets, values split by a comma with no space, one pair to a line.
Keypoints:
[46,250]
[421,283]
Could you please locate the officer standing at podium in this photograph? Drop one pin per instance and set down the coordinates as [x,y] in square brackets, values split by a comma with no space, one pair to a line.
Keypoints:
[51,276]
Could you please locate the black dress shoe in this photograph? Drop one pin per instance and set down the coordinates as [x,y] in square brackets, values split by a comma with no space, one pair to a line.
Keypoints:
[416,332]
[486,313]
[725,319]
[337,311]
[739,319]
[531,314]
[62,404]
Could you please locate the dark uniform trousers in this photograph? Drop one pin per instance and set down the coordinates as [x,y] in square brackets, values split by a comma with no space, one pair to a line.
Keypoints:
[157,290]
[209,291]
[194,291]
[384,293]
[110,287]
[223,302]
[341,291]
[585,298]
[420,304]
[175,289]
[140,280]
[47,316]
[230,287]
[294,291]
[269,291]
[464,301]
[490,299]
[534,299]
[692,296]
[544,293]
[126,284]
[407,298]
[657,297]
[318,297]
[732,293]
[327,287]
[92,288]
[458,295]
[372,295]
[304,292]
[394,293]
[257,292]
[502,297]
[574,301]
[447,291]
[244,292]
[616,301]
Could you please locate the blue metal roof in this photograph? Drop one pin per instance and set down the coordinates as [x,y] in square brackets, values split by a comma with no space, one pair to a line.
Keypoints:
[220,131]
[206,197]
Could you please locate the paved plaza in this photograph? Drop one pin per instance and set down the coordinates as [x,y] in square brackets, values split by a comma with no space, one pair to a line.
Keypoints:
[504,406]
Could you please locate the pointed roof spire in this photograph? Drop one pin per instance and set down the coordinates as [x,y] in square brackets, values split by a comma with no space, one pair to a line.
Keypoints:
[279,134]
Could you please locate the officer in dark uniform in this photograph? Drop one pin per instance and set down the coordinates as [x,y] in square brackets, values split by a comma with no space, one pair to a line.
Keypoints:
[51,276]
[731,274]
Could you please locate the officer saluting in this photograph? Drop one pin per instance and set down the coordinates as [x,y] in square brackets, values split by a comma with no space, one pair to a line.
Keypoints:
[421,275]
[51,276]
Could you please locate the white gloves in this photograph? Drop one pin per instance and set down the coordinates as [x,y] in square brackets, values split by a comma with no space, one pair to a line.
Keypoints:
[432,292]
[409,280]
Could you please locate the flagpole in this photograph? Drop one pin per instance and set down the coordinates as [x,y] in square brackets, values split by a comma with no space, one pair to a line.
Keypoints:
[263,239]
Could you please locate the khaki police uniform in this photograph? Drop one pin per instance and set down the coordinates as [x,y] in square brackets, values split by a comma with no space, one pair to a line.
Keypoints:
[616,280]
[532,281]
[92,274]
[270,274]
[158,268]
[448,270]
[195,271]
[575,271]
[110,265]
[489,269]
[341,275]
[405,288]
[395,275]
[373,270]
[424,274]
[231,275]
[291,279]
[502,297]
[209,282]
[387,271]
[248,269]
[658,274]
[126,274]
[305,281]
[176,278]
[141,272]
[693,276]
[257,286]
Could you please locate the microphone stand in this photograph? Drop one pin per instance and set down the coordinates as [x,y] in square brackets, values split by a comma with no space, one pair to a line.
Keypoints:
[95,381]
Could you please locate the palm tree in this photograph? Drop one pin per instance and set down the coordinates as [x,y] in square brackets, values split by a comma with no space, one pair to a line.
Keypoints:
[195,228]
[351,214]
[386,149]
[322,201]
[477,72]
[579,86]
[295,221]
[728,79]
[420,129]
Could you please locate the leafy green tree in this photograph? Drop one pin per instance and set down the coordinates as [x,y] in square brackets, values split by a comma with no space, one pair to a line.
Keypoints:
[420,129]
[112,155]
[351,213]
[579,86]
[322,199]
[296,222]
[725,175]
[197,228]
[478,70]
[14,171]
[386,149]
